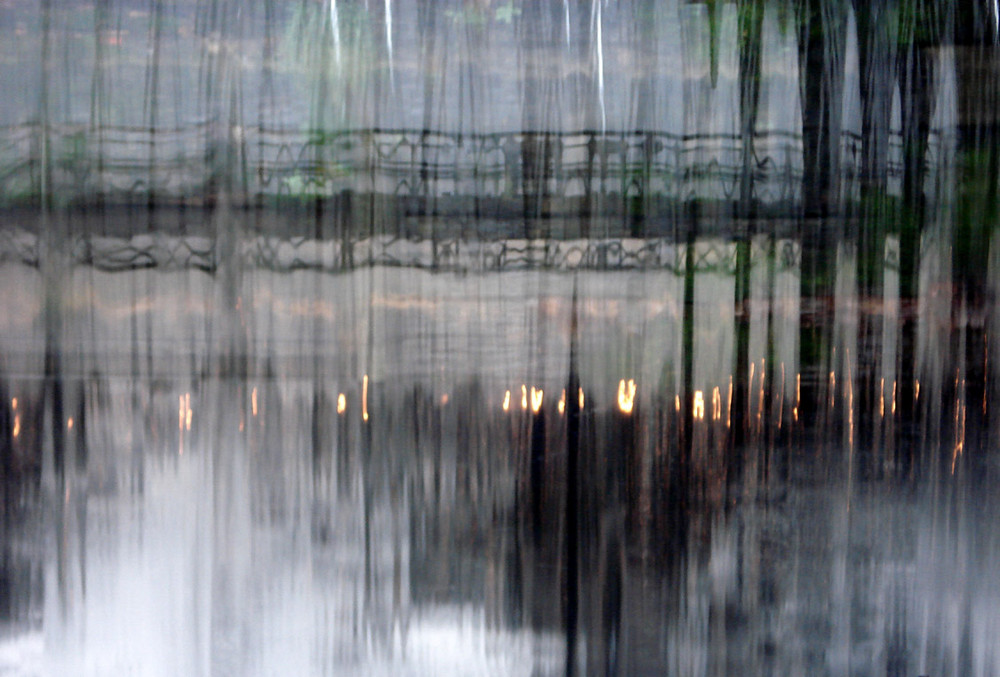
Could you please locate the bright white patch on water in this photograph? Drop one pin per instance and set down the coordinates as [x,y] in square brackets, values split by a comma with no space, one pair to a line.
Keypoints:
[21,656]
[444,640]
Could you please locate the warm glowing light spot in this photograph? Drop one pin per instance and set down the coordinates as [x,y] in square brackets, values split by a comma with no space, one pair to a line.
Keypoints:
[506,400]
[850,413]
[444,399]
[698,411]
[626,396]
[536,399]
[184,412]
[677,402]
[13,403]
[253,401]
[916,394]
[760,399]
[341,403]
[881,398]
[893,397]
[959,434]
[561,406]
[364,397]
[716,404]
[17,426]
[524,396]
[581,399]
[69,423]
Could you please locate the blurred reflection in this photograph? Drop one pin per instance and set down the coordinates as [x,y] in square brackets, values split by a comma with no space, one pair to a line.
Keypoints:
[266,327]
[626,396]
[421,513]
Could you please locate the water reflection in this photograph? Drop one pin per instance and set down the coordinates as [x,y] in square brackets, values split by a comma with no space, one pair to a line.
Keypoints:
[498,338]
[363,494]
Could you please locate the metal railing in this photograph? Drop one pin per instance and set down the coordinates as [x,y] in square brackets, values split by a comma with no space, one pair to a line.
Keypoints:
[130,164]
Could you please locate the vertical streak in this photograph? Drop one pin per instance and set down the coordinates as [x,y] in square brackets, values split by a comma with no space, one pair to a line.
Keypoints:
[729,403]
[687,357]
[388,31]
[781,398]
[335,30]
[364,397]
[566,13]
[43,108]
[573,406]
[599,30]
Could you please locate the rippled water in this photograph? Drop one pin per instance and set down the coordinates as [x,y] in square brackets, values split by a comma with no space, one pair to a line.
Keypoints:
[508,338]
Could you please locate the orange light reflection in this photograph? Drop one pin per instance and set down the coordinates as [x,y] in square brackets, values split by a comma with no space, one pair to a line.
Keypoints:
[698,411]
[536,399]
[626,396]
[364,397]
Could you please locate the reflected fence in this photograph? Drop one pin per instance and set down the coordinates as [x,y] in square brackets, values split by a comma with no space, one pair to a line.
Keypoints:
[110,254]
[638,174]
[127,198]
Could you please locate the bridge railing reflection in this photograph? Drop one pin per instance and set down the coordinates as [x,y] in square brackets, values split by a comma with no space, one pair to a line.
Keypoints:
[585,171]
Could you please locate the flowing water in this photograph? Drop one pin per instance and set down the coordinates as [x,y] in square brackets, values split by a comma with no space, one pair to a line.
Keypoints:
[499,338]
